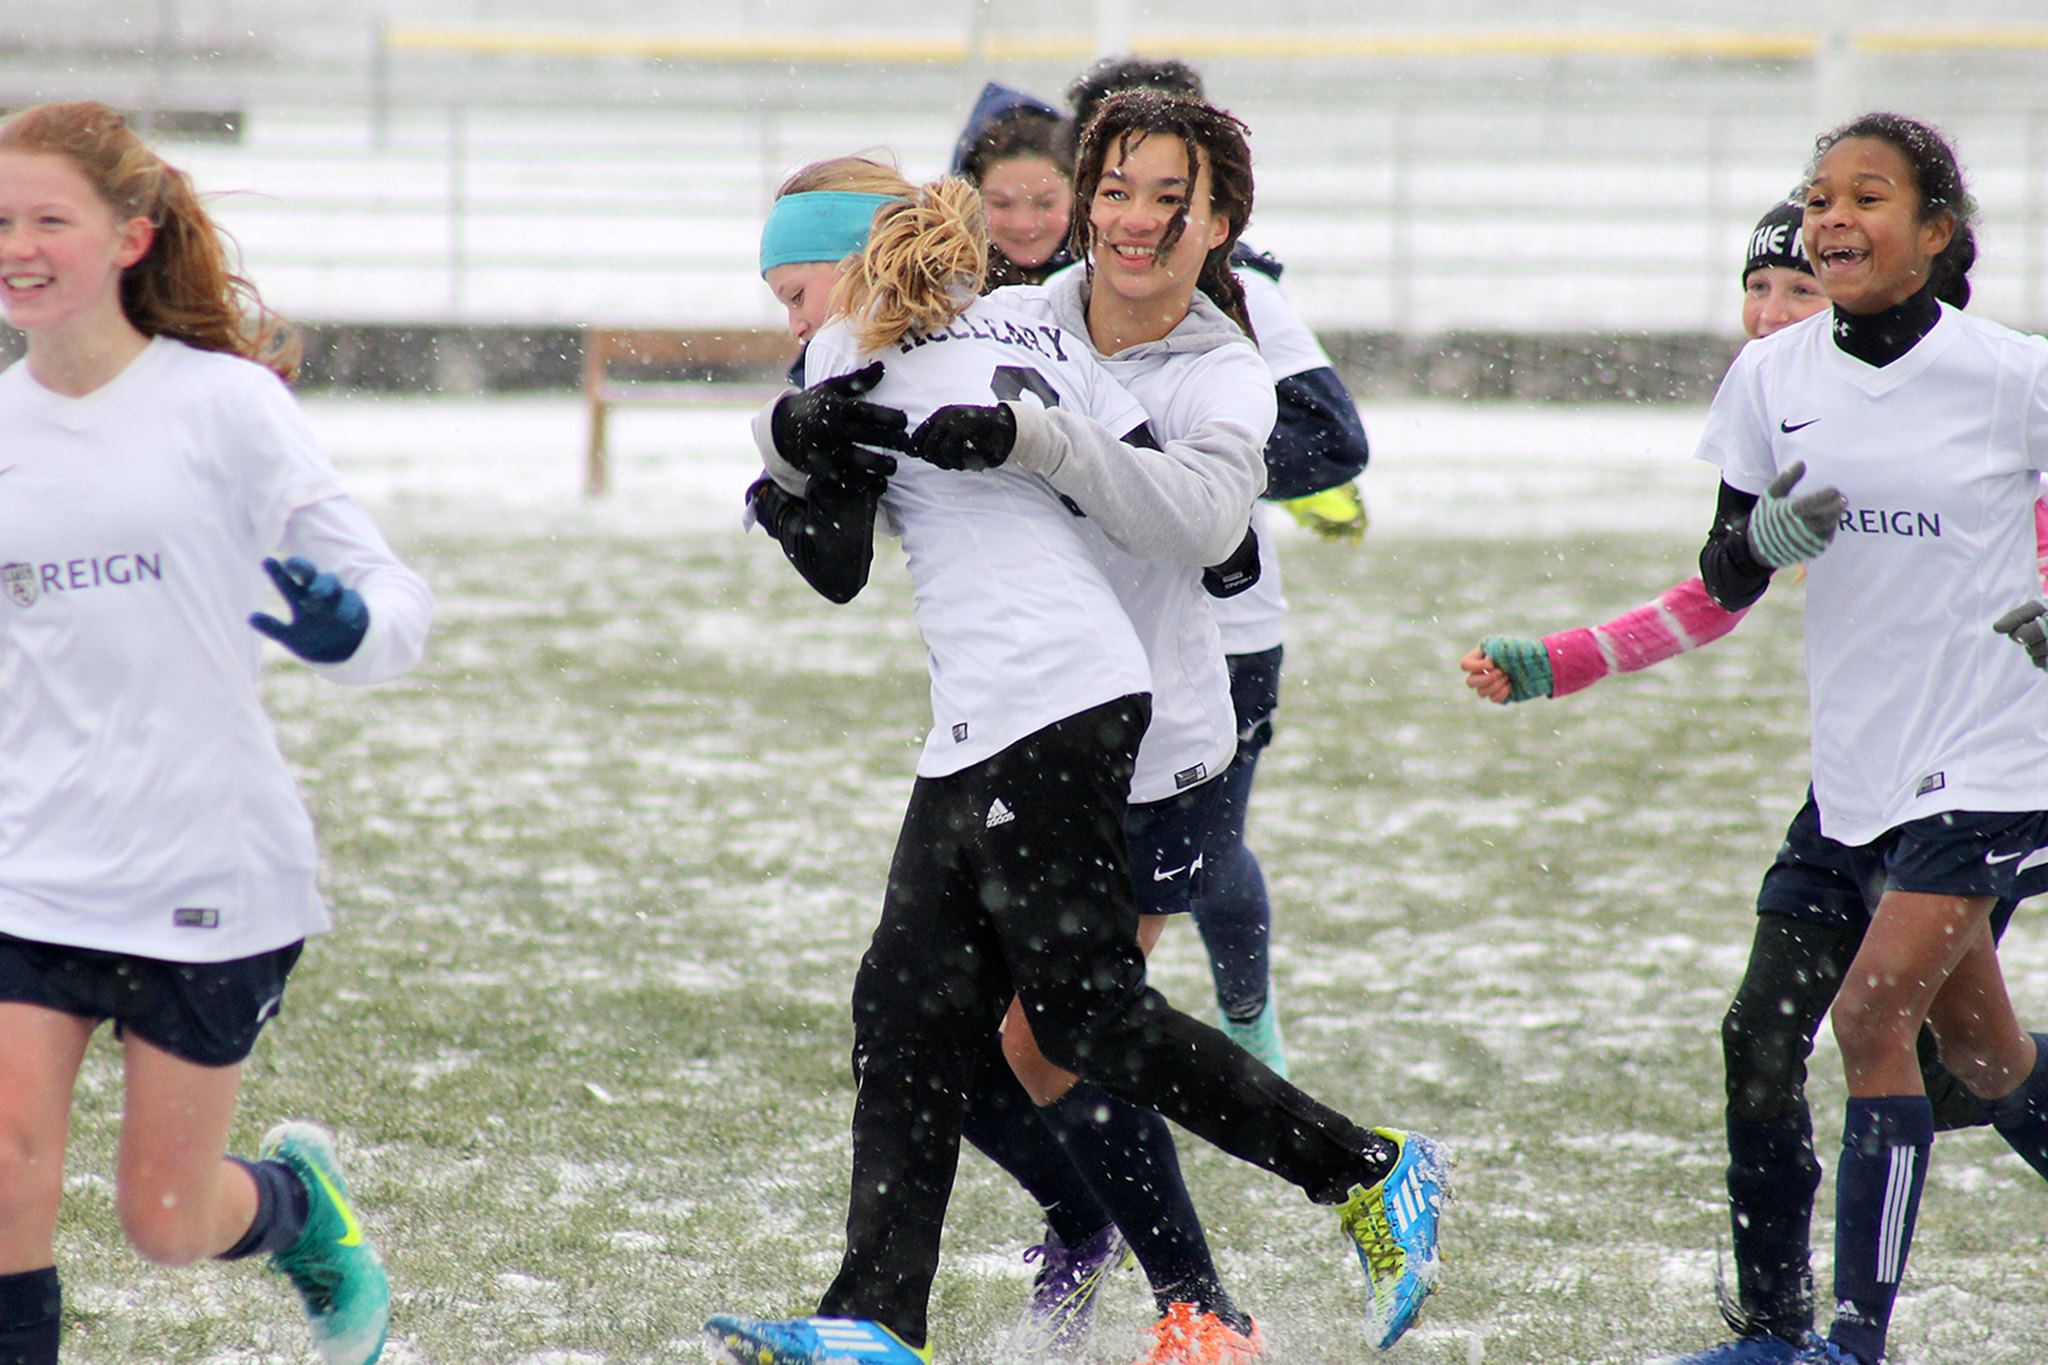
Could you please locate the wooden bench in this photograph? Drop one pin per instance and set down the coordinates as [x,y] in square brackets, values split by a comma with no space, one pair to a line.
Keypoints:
[692,366]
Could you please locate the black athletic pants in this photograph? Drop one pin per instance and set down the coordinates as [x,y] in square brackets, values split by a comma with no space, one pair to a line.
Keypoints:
[1011,878]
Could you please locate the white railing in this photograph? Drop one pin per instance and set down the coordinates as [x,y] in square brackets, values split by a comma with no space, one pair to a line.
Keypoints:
[1415,216]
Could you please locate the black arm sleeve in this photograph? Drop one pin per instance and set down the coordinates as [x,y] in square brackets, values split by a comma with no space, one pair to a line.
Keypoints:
[1735,578]
[1318,441]
[829,536]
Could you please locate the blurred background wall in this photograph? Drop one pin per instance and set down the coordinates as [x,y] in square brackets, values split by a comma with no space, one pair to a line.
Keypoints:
[1473,196]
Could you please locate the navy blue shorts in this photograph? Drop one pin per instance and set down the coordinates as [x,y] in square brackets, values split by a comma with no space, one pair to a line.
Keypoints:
[208,1013]
[1174,841]
[1820,880]
[1958,853]
[1169,840]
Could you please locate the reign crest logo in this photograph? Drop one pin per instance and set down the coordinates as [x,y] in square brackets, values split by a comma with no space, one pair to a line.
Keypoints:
[20,583]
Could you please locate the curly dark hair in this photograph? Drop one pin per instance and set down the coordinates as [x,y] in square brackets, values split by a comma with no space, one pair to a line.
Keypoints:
[1213,137]
[1113,74]
[1938,176]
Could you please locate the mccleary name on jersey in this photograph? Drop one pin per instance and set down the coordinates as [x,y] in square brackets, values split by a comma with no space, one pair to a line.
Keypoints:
[1019,622]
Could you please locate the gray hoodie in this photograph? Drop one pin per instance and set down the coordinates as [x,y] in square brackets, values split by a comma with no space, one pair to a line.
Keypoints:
[1190,501]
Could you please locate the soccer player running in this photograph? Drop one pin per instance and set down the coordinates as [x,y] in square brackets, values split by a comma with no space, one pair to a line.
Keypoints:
[1313,459]
[156,865]
[1208,394]
[1811,910]
[1118,1173]
[1011,876]
[1919,434]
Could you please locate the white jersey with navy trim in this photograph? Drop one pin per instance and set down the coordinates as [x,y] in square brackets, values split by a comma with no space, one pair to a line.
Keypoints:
[1918,706]
[145,807]
[1255,620]
[1019,621]
[1203,372]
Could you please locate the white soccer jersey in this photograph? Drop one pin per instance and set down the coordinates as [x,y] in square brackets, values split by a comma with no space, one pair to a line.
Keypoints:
[1201,372]
[144,805]
[1256,620]
[1918,706]
[1018,618]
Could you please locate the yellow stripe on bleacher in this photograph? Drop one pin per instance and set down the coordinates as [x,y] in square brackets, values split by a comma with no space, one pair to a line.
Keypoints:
[562,42]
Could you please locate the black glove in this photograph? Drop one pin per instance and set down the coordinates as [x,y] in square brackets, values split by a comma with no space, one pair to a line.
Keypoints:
[962,436]
[1237,573]
[821,429]
[2027,625]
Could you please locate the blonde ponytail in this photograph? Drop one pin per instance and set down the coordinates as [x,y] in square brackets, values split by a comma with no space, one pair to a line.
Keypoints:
[922,267]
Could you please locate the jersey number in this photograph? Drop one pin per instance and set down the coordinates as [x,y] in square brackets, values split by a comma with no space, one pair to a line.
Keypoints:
[1010,383]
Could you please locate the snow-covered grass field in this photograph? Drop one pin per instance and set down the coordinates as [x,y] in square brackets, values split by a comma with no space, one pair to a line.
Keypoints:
[604,865]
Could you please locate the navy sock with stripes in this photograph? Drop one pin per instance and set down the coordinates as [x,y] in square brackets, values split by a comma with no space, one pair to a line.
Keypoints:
[2021,1118]
[31,1317]
[1885,1143]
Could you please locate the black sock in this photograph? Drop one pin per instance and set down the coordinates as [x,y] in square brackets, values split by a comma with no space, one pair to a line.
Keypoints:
[2021,1118]
[31,1317]
[281,1206]
[1128,1155]
[1772,1176]
[1003,1124]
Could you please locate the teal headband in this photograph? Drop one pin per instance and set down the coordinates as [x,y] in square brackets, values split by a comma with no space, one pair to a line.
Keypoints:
[820,225]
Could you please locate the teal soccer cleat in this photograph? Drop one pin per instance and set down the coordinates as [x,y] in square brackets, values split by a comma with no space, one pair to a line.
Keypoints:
[333,1264]
[1261,1037]
[1393,1226]
[810,1341]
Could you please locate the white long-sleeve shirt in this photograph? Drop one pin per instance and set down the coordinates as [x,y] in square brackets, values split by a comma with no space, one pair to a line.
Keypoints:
[145,806]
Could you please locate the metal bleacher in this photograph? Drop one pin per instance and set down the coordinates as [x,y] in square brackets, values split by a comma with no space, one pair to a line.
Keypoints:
[1494,167]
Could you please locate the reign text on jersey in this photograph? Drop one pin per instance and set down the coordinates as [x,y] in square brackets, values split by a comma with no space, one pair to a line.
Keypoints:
[24,583]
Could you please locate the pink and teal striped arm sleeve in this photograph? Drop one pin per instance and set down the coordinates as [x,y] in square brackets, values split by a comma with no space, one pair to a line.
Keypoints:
[1682,618]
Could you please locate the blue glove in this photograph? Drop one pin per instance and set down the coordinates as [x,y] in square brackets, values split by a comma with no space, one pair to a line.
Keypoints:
[328,620]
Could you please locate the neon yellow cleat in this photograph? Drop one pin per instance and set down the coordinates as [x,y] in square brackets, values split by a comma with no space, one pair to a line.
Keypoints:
[1335,513]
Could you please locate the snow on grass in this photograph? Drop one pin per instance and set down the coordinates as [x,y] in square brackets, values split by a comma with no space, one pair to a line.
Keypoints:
[604,866]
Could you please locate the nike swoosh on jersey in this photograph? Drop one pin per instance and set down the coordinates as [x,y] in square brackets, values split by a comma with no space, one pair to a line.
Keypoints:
[1166,874]
[353,1234]
[1996,858]
[1789,427]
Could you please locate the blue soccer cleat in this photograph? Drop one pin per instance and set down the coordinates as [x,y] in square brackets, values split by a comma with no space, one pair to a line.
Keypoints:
[1393,1226]
[810,1341]
[1821,1352]
[1757,1348]
[333,1264]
